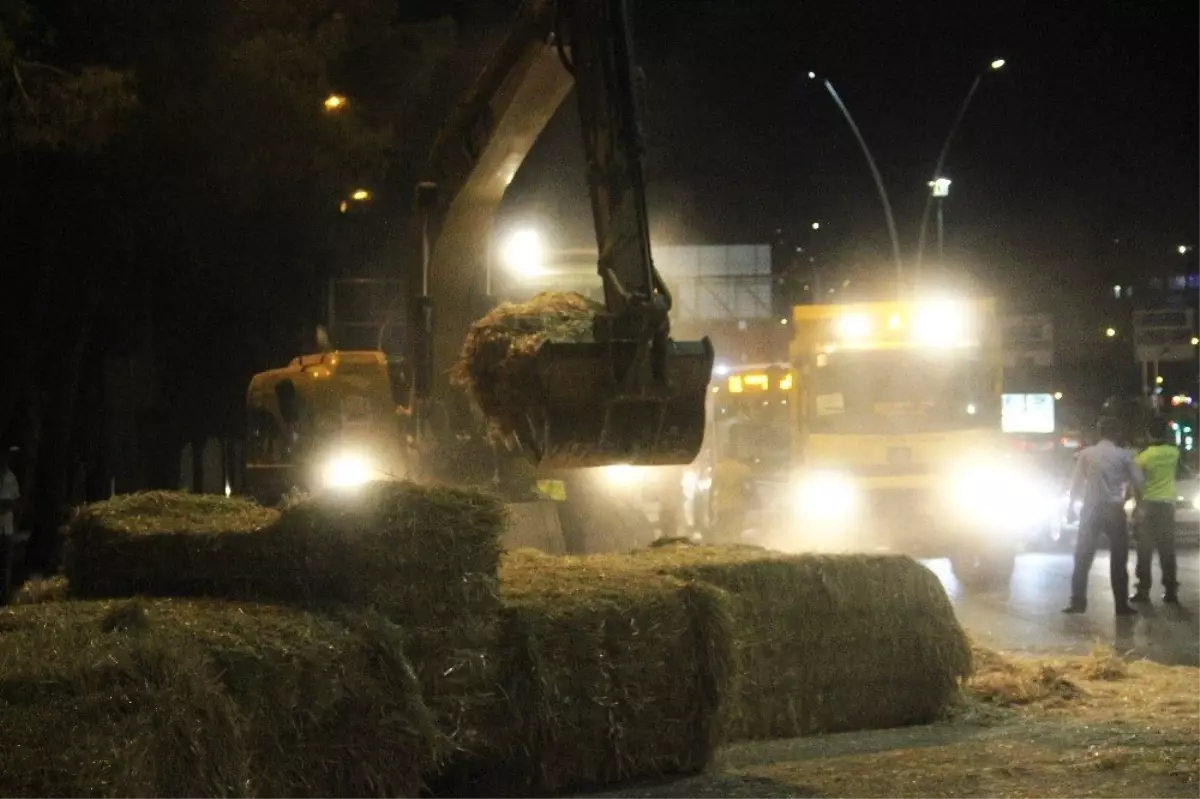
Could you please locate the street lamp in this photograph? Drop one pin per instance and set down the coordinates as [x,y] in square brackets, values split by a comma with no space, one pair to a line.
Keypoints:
[1111,332]
[1183,249]
[361,195]
[816,225]
[523,252]
[995,66]
[883,197]
[335,102]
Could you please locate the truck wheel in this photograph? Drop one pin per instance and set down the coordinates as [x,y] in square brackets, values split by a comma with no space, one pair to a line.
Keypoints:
[983,569]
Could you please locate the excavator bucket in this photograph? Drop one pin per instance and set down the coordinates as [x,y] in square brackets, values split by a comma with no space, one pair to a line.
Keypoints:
[588,419]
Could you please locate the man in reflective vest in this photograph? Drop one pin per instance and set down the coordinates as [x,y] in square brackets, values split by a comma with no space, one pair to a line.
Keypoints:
[1155,514]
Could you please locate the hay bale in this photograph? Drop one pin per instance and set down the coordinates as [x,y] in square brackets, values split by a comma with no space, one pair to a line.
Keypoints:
[199,698]
[498,365]
[168,543]
[423,555]
[833,643]
[426,556]
[823,643]
[602,681]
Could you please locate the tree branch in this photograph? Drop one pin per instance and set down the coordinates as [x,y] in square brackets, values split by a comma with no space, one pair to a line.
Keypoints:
[42,65]
[21,84]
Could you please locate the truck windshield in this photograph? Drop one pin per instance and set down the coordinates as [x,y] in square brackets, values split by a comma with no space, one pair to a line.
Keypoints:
[755,430]
[900,392]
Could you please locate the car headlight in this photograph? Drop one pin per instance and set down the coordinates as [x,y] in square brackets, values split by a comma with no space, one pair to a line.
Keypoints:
[825,496]
[347,471]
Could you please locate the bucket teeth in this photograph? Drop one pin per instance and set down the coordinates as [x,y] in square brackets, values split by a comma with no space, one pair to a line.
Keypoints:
[586,419]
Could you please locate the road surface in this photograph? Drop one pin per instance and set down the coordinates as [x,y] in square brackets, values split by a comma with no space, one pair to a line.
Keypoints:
[1027,616]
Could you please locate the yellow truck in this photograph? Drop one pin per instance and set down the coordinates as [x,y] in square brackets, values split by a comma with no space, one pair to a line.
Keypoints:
[881,431]
[897,439]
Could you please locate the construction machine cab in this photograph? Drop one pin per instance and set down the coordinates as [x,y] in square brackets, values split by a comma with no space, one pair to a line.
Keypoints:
[324,420]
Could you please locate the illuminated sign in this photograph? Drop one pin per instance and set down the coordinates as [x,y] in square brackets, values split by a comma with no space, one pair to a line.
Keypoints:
[758,381]
[1027,413]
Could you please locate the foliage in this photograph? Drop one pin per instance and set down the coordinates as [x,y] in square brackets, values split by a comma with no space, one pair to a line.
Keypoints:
[44,105]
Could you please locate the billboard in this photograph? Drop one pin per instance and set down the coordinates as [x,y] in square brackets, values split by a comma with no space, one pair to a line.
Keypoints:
[1027,413]
[1163,335]
[1028,340]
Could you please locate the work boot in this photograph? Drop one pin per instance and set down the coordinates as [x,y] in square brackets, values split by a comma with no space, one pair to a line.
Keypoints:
[1125,609]
[1171,598]
[1076,607]
[1140,597]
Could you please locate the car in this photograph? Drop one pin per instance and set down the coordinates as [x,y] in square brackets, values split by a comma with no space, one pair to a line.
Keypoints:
[1061,533]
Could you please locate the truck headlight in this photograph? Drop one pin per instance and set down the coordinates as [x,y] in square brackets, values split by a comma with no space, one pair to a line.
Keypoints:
[347,471]
[825,496]
[995,495]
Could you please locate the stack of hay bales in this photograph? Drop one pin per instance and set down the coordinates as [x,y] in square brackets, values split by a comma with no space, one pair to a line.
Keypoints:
[201,698]
[606,678]
[424,557]
[828,643]
[498,366]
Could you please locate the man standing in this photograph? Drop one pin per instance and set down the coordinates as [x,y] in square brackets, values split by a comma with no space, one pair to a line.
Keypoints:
[1155,515]
[1103,473]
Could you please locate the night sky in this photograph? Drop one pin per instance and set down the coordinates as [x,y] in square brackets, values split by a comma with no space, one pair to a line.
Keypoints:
[1077,161]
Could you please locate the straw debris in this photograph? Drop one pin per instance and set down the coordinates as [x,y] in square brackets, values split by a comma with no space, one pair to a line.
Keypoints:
[41,589]
[423,555]
[204,698]
[498,365]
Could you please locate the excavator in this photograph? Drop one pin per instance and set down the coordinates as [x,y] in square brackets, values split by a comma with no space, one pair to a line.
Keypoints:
[631,396]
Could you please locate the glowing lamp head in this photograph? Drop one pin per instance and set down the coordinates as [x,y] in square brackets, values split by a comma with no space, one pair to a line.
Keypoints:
[524,253]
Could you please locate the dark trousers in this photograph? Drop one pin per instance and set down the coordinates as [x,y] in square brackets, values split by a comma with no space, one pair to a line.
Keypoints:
[1156,531]
[1107,520]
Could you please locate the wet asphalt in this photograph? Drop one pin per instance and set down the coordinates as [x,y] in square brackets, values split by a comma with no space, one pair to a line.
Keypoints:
[1026,615]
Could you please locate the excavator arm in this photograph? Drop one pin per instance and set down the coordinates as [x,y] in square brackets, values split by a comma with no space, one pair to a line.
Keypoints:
[633,395]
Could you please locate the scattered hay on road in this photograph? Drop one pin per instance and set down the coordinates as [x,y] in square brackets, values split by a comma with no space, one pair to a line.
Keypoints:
[41,589]
[498,367]
[418,554]
[200,698]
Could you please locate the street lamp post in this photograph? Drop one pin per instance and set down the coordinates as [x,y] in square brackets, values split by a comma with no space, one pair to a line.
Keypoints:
[941,160]
[883,197]
[941,190]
